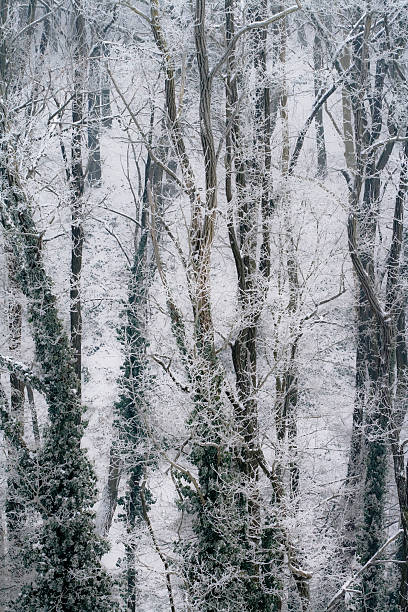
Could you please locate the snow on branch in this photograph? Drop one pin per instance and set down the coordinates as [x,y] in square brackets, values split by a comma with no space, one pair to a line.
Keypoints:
[23,371]
[30,25]
[341,592]
[136,11]
[252,26]
[362,274]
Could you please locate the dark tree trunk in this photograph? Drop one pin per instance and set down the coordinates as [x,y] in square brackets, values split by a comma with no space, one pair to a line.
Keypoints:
[94,118]
[318,84]
[77,191]
[106,110]
[15,321]
[4,58]
[34,418]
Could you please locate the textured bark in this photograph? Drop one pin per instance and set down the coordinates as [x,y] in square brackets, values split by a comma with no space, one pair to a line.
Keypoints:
[349,153]
[14,506]
[367,158]
[64,527]
[3,560]
[142,275]
[386,420]
[4,10]
[108,503]
[396,303]
[209,450]
[206,422]
[244,244]
[106,108]
[14,323]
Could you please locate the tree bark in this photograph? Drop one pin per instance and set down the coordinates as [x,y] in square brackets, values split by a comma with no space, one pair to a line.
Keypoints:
[320,136]
[77,191]
[94,117]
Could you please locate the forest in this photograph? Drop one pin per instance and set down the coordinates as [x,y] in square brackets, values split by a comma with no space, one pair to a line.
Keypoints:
[203,306]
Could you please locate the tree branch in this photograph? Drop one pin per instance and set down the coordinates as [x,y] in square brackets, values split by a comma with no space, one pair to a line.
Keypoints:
[22,371]
[252,26]
[139,127]
[136,11]
[361,273]
[157,547]
[340,593]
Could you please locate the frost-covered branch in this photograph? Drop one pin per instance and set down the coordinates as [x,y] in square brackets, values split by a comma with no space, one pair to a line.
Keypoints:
[247,28]
[23,371]
[157,547]
[341,592]
[136,11]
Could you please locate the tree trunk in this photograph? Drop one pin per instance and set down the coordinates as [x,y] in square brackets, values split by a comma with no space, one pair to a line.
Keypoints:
[94,117]
[318,83]
[106,109]
[77,191]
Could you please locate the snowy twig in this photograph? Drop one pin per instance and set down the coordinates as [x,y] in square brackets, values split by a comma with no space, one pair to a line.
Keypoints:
[121,214]
[111,233]
[36,22]
[157,547]
[136,11]
[382,143]
[166,368]
[139,128]
[340,593]
[302,135]
[252,26]
[23,371]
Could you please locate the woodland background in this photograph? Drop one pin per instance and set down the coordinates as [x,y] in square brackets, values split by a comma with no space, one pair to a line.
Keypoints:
[203,298]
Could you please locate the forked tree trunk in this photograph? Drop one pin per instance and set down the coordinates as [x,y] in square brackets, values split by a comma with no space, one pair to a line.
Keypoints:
[210,452]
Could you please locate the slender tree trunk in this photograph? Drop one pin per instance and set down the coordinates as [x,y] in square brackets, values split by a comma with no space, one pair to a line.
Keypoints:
[3,560]
[106,109]
[4,11]
[252,176]
[34,418]
[287,387]
[14,322]
[15,506]
[77,190]
[396,303]
[94,117]
[374,378]
[318,82]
